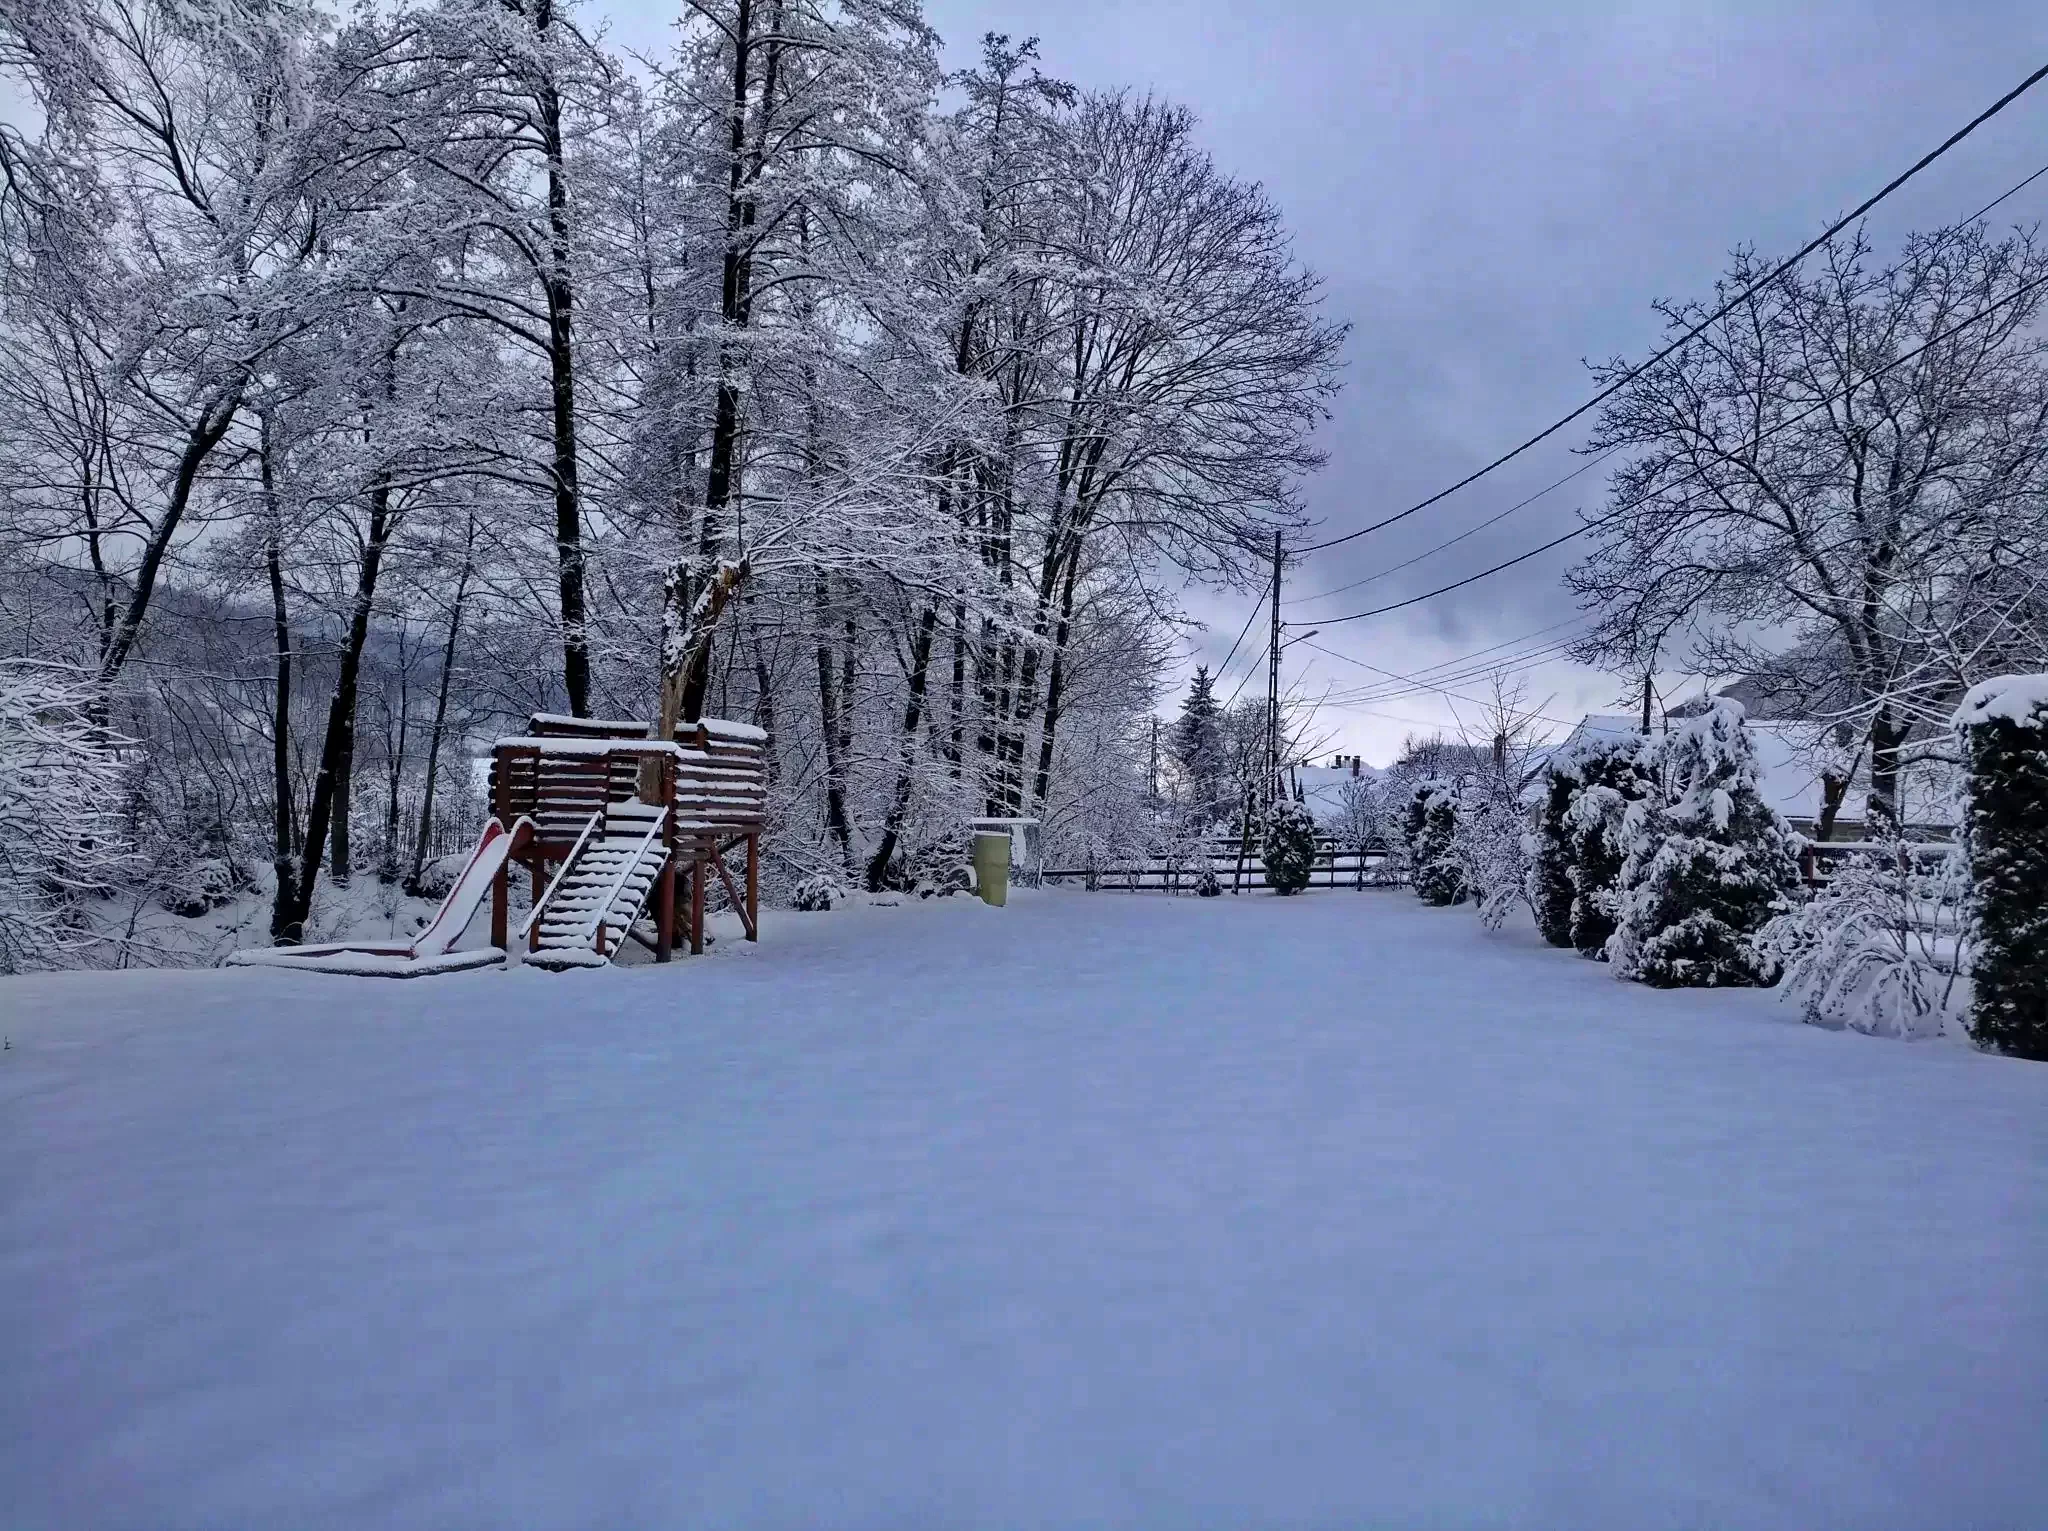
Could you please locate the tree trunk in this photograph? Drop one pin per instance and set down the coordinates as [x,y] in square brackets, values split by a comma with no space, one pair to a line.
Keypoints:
[1832,790]
[956,734]
[559,290]
[424,839]
[1886,737]
[330,783]
[394,771]
[833,728]
[283,862]
[199,444]
[906,760]
[687,628]
[722,473]
[1055,690]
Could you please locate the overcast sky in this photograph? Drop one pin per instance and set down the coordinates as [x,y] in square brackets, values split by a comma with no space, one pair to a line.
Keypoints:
[1494,197]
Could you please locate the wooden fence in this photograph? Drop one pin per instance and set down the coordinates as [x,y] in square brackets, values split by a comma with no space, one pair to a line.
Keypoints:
[1337,867]
[1237,871]
[1818,861]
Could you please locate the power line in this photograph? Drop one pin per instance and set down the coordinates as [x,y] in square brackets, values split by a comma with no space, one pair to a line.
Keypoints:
[1248,674]
[1248,621]
[1720,313]
[1512,664]
[1466,667]
[1584,467]
[1433,690]
[1599,521]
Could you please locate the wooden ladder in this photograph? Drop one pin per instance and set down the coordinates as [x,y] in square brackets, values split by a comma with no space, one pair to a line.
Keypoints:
[601,888]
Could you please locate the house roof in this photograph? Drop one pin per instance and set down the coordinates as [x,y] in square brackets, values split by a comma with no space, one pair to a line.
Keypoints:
[1322,789]
[1789,753]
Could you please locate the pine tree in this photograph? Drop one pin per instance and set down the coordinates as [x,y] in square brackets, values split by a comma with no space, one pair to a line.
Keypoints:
[2004,729]
[1610,774]
[1550,864]
[1289,851]
[1708,864]
[1439,878]
[1197,743]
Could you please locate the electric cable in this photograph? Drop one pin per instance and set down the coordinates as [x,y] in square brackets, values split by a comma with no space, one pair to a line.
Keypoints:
[1720,313]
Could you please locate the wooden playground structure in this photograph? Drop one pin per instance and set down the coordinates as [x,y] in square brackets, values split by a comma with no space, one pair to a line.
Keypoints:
[626,833]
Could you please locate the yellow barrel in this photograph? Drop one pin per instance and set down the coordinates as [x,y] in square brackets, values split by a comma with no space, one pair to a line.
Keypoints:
[992,868]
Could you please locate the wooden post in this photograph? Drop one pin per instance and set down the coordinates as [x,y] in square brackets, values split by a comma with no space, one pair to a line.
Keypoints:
[538,867]
[665,883]
[501,910]
[697,907]
[753,887]
[501,885]
[665,909]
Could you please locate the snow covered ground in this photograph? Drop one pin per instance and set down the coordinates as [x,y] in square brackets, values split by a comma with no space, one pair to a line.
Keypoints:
[1099,1210]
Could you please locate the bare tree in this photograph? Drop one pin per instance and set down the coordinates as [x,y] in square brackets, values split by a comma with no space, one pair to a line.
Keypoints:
[1836,490]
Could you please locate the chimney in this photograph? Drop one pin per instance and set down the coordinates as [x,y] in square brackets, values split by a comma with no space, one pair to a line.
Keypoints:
[1354,765]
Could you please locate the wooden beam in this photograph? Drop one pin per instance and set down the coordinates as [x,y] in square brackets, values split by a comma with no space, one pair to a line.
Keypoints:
[753,887]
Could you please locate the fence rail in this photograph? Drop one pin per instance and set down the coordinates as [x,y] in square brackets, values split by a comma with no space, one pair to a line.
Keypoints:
[1235,870]
[1334,867]
[1818,860]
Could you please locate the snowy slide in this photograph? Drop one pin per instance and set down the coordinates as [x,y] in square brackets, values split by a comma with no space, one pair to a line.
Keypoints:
[427,952]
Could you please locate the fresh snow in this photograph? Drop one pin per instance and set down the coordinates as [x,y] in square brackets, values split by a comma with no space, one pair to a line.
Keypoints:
[1096,1210]
[2021,699]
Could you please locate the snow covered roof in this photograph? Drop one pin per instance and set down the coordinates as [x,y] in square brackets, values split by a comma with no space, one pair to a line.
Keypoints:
[1322,789]
[1593,728]
[551,745]
[1789,755]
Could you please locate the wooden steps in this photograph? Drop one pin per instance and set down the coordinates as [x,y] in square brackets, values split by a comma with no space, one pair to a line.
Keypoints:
[583,918]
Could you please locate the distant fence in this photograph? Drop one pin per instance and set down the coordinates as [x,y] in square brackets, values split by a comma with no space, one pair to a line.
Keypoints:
[1237,870]
[1818,861]
[1339,867]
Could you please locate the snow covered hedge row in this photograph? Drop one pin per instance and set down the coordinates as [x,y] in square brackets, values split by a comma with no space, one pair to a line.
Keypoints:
[1660,856]
[1706,863]
[2003,726]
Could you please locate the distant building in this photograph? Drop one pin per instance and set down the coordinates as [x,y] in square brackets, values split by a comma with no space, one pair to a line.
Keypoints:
[1789,755]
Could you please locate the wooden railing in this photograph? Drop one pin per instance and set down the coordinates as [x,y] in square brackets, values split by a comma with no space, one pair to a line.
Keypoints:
[1334,867]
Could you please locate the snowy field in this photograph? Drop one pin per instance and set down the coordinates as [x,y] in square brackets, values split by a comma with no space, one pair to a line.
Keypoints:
[1100,1210]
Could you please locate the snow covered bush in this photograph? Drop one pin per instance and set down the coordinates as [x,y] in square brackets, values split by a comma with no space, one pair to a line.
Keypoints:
[2003,724]
[1707,864]
[1289,848]
[817,893]
[1206,885]
[1549,887]
[1488,844]
[954,879]
[1433,844]
[201,887]
[62,841]
[1876,949]
[1610,775]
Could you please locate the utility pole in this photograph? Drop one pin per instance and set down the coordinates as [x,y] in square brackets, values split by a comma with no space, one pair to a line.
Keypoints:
[1646,704]
[1273,681]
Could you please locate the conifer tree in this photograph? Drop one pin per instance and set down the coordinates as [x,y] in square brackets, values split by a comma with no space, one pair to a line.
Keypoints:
[1550,865]
[1439,877]
[1289,851]
[2004,729]
[1197,742]
[1610,774]
[1708,864]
